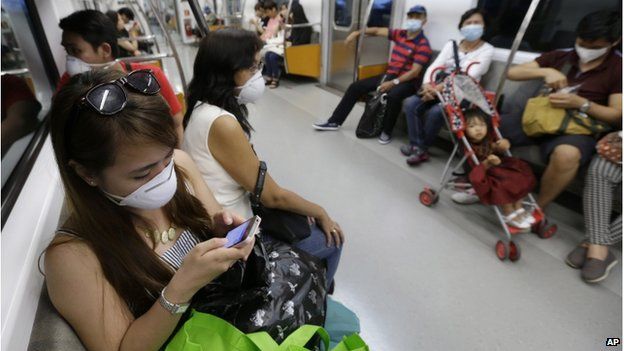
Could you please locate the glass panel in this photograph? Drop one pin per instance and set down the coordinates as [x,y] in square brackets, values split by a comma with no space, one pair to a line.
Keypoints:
[26,93]
[553,26]
[343,13]
[380,14]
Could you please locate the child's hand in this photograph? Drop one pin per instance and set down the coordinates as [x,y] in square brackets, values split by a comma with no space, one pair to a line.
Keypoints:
[494,160]
[503,144]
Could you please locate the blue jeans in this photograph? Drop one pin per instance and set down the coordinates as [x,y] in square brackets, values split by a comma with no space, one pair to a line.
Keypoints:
[424,121]
[316,245]
[273,64]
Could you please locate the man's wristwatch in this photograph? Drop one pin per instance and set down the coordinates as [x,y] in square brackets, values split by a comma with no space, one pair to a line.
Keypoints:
[396,81]
[171,307]
[585,106]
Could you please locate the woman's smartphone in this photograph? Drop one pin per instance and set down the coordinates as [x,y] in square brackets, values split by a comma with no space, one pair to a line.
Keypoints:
[242,232]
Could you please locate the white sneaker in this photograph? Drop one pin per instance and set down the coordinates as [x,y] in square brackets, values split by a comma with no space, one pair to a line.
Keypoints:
[467,197]
[527,216]
[384,138]
[517,219]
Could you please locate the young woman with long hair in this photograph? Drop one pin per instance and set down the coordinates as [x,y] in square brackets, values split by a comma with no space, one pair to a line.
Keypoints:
[226,76]
[144,230]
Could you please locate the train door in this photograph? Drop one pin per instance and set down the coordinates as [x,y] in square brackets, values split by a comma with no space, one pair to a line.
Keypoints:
[368,58]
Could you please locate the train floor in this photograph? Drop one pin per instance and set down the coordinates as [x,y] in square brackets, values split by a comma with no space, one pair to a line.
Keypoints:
[427,278]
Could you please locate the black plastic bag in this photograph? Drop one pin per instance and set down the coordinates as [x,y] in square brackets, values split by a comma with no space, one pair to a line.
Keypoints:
[277,290]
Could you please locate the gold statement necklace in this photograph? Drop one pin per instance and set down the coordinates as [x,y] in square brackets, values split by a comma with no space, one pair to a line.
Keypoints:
[164,237]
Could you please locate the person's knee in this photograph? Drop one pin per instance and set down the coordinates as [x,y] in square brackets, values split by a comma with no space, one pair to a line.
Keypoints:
[565,157]
[410,103]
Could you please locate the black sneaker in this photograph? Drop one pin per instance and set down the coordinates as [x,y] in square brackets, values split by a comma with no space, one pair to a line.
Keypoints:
[326,126]
[409,150]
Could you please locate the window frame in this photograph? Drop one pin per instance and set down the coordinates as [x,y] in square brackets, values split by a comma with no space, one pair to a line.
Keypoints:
[15,183]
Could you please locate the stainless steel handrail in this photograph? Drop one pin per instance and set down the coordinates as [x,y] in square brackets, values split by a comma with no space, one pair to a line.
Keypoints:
[15,72]
[301,25]
[150,57]
[161,23]
[140,38]
[514,47]
[199,17]
[362,30]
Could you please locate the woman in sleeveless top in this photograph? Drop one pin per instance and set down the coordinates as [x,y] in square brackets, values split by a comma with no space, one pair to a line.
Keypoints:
[144,232]
[227,75]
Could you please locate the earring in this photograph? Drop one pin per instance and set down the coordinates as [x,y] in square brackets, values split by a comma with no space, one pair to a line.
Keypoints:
[92,182]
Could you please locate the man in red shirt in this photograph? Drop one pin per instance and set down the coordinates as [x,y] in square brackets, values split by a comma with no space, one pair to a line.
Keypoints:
[90,42]
[410,54]
[595,67]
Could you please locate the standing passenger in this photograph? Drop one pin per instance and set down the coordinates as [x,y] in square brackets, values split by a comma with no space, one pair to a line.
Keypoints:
[410,54]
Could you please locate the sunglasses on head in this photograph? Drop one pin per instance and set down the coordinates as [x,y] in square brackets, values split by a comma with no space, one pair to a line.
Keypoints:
[110,98]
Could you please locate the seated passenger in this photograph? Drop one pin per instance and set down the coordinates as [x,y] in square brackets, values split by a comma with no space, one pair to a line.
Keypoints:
[274,57]
[274,23]
[411,52]
[596,66]
[499,180]
[127,16]
[604,176]
[90,41]
[143,224]
[127,47]
[217,134]
[423,113]
[257,23]
[19,110]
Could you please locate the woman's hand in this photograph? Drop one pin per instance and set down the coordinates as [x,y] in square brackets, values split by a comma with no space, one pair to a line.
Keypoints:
[224,221]
[561,100]
[205,262]
[332,230]
[555,79]
[428,91]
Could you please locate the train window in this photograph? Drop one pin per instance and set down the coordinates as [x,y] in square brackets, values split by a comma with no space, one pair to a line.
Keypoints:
[553,25]
[343,13]
[26,93]
[380,14]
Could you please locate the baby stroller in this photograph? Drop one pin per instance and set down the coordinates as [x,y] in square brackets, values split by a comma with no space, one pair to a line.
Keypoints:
[459,89]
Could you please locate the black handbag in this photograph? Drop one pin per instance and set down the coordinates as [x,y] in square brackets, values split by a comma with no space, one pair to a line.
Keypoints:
[371,122]
[282,225]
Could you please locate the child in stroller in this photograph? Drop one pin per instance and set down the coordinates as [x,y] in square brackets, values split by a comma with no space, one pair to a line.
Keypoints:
[498,179]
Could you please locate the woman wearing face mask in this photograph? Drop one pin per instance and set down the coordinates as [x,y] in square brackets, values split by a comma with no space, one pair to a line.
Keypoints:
[424,115]
[143,234]
[227,75]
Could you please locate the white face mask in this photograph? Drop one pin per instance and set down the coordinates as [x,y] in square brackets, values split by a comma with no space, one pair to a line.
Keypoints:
[152,195]
[252,90]
[74,65]
[413,25]
[472,32]
[587,55]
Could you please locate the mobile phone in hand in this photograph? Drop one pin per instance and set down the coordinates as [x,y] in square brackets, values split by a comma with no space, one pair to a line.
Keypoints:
[242,232]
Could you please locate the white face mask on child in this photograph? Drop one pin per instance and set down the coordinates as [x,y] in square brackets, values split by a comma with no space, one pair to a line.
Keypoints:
[252,90]
[74,65]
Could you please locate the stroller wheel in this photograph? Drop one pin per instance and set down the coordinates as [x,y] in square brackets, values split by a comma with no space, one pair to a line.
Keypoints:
[544,230]
[428,197]
[501,250]
[514,251]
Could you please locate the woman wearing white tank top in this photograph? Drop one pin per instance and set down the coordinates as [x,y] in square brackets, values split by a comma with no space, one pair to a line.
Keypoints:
[227,75]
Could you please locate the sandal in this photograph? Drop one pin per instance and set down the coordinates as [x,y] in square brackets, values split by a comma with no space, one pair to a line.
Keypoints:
[515,219]
[527,216]
[274,84]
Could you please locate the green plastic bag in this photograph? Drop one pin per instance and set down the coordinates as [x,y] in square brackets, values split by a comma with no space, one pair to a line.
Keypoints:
[205,332]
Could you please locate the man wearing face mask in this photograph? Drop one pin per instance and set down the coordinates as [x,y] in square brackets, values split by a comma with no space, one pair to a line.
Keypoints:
[411,52]
[89,38]
[595,67]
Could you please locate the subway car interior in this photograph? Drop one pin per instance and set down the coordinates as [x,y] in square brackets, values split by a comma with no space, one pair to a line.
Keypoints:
[459,162]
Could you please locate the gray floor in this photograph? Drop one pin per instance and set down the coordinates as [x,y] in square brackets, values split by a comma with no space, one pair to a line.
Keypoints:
[427,278]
